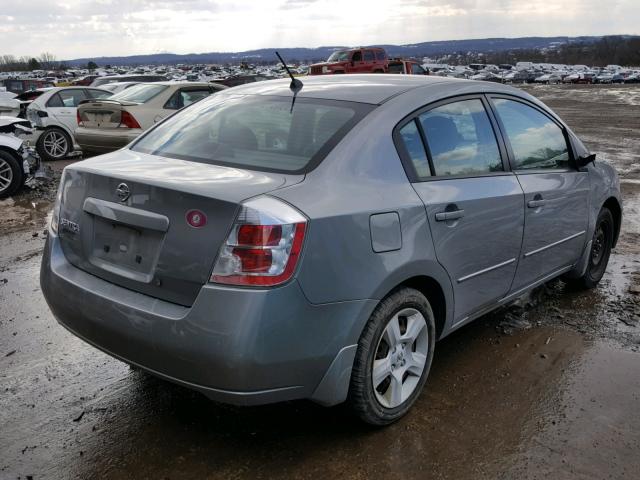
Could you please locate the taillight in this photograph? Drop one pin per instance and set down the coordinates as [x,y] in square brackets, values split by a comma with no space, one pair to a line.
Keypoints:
[127,120]
[263,246]
[55,215]
[80,123]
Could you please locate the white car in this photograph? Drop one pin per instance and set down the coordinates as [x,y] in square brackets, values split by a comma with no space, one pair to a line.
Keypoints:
[17,161]
[54,115]
[9,106]
[111,123]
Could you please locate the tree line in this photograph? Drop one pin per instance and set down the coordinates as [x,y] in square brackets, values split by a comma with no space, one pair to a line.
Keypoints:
[45,61]
[611,50]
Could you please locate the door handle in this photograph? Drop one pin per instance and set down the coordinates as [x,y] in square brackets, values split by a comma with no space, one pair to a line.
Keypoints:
[535,203]
[452,215]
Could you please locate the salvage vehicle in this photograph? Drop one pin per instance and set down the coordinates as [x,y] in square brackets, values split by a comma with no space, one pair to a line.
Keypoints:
[355,60]
[17,160]
[53,114]
[392,211]
[9,104]
[111,123]
[100,81]
[24,85]
[405,67]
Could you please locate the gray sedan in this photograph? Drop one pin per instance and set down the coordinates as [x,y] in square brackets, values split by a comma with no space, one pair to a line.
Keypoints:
[260,250]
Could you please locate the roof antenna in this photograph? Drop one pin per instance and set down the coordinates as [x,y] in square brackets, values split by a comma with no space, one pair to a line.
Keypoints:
[295,85]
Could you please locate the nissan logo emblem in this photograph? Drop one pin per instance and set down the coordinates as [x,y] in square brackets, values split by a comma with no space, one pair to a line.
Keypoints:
[123,192]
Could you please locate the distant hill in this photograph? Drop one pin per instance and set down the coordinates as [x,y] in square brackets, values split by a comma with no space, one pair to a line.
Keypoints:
[265,55]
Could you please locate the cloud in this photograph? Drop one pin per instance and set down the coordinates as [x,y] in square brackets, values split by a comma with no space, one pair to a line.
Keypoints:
[79,28]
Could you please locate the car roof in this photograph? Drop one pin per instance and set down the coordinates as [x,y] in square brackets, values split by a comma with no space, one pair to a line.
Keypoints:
[375,88]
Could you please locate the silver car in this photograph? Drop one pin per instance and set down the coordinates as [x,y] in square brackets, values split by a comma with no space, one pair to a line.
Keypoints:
[259,249]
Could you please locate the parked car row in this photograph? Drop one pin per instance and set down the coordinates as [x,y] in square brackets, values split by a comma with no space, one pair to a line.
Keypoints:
[102,119]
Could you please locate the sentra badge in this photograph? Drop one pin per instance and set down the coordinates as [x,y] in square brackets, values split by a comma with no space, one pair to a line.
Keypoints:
[70,226]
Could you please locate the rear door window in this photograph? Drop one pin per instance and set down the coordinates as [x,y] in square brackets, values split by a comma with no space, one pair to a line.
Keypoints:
[369,56]
[537,142]
[357,56]
[414,147]
[460,139]
[67,98]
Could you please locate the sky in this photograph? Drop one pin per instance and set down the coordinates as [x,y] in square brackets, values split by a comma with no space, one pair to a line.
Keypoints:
[90,28]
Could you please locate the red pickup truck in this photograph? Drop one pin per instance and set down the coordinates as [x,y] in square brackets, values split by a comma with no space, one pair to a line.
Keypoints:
[354,60]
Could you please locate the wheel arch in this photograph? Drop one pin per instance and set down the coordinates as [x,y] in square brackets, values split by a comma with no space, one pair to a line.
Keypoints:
[11,152]
[435,294]
[614,207]
[62,128]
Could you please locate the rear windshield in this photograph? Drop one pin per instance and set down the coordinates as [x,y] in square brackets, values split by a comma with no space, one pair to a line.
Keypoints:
[254,132]
[139,93]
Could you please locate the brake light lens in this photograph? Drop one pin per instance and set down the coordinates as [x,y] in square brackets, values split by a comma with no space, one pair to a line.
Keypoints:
[263,246]
[55,215]
[80,122]
[127,120]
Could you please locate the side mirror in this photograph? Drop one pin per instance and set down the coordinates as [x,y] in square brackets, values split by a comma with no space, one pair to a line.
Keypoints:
[585,160]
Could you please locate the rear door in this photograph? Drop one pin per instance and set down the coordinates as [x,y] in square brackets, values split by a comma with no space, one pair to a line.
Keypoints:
[458,167]
[556,193]
[369,58]
[63,106]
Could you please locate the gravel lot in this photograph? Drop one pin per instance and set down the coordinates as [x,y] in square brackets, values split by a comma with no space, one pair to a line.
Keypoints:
[547,388]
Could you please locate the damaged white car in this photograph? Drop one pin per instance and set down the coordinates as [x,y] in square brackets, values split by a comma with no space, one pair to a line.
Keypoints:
[18,161]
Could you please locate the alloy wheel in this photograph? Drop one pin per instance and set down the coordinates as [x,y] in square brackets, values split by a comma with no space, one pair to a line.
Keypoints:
[55,144]
[6,175]
[400,358]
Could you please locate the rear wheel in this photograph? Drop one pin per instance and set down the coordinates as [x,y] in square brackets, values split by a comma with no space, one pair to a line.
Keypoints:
[12,176]
[53,144]
[393,358]
[601,245]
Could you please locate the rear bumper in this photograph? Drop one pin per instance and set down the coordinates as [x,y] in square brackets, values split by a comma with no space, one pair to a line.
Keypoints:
[238,346]
[104,141]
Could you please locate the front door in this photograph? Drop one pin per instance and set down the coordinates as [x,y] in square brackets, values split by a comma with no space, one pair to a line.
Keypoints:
[474,205]
[556,194]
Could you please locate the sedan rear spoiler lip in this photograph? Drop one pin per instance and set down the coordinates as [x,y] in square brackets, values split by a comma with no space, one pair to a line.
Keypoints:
[106,100]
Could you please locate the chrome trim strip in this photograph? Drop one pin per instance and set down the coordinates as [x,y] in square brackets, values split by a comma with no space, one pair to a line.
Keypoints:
[542,249]
[486,270]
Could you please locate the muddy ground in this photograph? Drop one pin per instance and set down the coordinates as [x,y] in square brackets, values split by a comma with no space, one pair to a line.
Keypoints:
[548,388]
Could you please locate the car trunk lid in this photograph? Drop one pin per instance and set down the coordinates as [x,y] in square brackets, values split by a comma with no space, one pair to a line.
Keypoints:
[125,218]
[103,113]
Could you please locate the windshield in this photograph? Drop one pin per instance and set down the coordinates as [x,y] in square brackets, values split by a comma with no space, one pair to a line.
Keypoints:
[341,56]
[139,93]
[254,132]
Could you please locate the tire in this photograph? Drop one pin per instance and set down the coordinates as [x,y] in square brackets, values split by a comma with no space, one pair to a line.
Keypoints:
[400,377]
[12,176]
[600,251]
[54,144]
